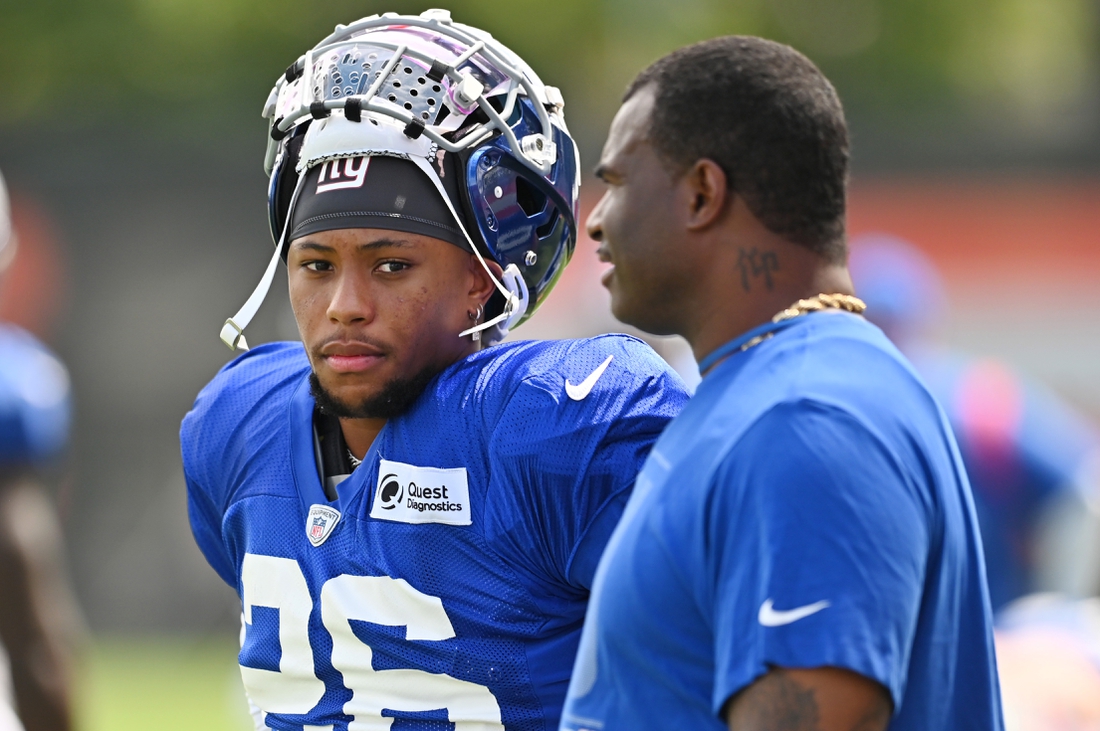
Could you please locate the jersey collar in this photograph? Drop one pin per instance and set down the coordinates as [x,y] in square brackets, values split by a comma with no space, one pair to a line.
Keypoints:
[303,456]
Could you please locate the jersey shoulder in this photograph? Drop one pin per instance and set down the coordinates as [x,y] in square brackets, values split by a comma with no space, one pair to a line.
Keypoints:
[842,393]
[242,409]
[847,363]
[600,377]
[34,398]
[568,391]
[826,367]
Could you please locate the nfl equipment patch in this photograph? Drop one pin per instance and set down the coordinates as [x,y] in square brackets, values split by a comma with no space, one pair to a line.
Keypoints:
[320,523]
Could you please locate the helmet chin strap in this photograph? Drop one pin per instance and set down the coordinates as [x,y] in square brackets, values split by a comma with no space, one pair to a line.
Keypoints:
[232,333]
[514,288]
[517,285]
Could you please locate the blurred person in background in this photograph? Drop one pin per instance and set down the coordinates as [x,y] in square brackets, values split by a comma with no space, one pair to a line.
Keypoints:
[412,514]
[36,608]
[1031,458]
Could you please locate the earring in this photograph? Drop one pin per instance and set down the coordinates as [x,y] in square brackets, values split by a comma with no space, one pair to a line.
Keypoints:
[475,316]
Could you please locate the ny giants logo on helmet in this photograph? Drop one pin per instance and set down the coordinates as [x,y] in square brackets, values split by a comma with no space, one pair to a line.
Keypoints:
[353,174]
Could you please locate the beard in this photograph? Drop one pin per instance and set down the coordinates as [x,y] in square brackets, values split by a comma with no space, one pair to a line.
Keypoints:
[395,398]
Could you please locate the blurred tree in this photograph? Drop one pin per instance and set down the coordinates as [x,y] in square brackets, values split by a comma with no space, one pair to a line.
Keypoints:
[1026,64]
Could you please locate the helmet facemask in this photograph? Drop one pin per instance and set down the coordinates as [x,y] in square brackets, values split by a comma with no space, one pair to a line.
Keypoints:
[446,97]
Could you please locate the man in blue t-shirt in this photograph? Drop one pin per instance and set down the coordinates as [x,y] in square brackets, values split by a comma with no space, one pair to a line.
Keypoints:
[413,520]
[800,551]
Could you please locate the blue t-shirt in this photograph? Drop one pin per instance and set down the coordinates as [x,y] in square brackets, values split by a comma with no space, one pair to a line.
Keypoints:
[447,581]
[34,400]
[808,508]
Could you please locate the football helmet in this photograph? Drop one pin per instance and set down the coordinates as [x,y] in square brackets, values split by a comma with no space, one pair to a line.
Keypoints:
[447,97]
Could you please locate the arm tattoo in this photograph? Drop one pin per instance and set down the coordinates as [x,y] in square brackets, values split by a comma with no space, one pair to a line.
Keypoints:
[776,703]
[754,263]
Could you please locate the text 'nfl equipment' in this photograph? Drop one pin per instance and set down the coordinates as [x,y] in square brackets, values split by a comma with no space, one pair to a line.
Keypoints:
[444,96]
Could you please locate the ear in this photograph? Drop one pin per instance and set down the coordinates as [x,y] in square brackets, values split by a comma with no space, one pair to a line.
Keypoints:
[481,286]
[708,194]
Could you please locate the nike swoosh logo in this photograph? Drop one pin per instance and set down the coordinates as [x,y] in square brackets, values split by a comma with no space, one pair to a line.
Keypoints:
[771,617]
[582,389]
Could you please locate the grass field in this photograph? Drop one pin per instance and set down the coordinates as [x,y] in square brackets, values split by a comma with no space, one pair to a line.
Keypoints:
[166,684]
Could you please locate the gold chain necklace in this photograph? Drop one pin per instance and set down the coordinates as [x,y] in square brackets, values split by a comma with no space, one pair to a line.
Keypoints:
[817,303]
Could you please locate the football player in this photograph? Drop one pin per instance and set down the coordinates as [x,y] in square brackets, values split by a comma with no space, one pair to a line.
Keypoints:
[35,605]
[412,519]
[801,551]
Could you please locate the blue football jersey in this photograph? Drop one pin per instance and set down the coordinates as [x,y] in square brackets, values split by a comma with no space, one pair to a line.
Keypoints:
[445,586]
[34,400]
[808,508]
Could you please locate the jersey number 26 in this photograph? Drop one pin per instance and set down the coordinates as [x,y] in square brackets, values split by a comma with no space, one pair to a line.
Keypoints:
[278,583]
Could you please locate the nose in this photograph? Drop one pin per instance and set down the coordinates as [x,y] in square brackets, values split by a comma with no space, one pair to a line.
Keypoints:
[594,224]
[351,300]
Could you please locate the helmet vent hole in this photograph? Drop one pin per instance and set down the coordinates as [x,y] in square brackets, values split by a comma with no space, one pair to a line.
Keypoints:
[529,198]
[374,122]
[397,84]
[547,228]
[436,87]
[413,92]
[408,70]
[425,115]
[421,81]
[408,105]
[392,98]
[431,102]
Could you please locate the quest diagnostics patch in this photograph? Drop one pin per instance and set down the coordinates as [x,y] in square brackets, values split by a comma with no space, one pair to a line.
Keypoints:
[410,494]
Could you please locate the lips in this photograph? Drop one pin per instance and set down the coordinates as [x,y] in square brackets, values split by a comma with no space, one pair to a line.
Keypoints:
[351,363]
[605,278]
[605,256]
[351,357]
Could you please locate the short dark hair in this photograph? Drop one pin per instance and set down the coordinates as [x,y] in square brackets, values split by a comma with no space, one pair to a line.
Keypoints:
[772,121]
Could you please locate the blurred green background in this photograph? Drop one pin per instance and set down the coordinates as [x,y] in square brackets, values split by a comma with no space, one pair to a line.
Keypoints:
[131,139]
[922,79]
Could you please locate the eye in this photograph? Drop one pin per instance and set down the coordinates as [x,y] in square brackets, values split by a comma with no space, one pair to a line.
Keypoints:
[392,267]
[317,265]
